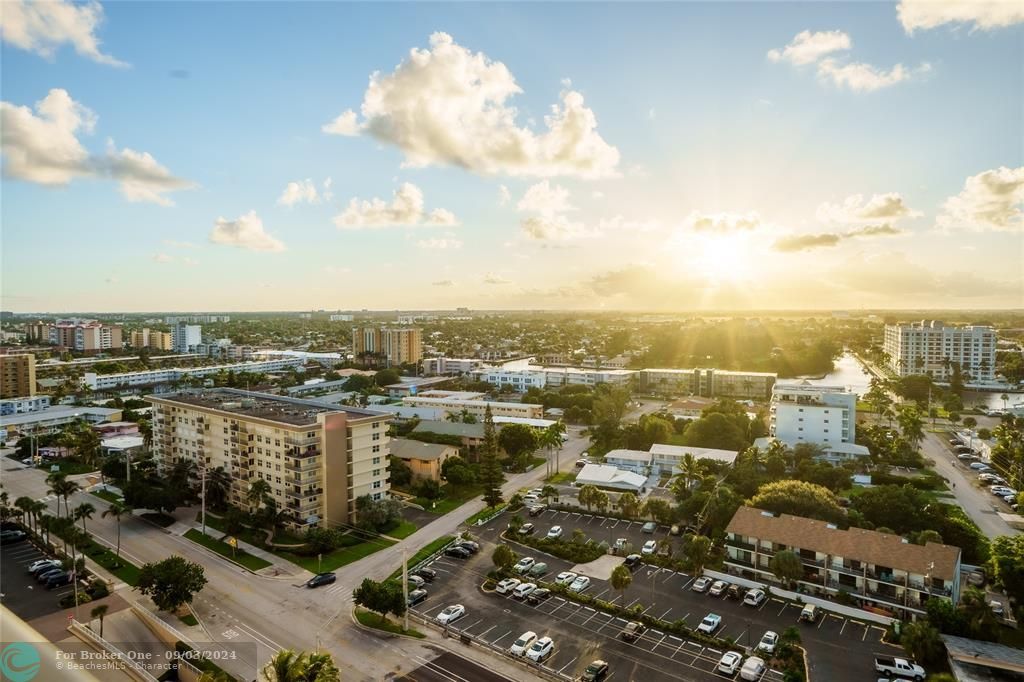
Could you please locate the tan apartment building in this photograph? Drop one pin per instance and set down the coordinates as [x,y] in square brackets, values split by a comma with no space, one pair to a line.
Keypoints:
[316,458]
[880,571]
[152,338]
[77,334]
[424,459]
[397,345]
[707,382]
[17,375]
[476,407]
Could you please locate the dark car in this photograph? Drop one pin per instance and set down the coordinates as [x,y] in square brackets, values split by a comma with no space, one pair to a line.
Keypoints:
[536,510]
[416,596]
[735,592]
[58,580]
[427,574]
[321,579]
[595,672]
[632,561]
[632,632]
[537,596]
[527,529]
[469,545]
[43,576]
[9,537]
[457,552]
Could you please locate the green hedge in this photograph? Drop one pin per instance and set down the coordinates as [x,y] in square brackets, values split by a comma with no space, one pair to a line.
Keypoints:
[569,551]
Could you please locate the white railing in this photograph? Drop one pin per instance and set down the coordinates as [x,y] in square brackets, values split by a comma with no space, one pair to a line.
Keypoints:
[130,666]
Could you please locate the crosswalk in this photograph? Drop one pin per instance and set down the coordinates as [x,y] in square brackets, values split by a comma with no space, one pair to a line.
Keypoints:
[341,591]
[48,498]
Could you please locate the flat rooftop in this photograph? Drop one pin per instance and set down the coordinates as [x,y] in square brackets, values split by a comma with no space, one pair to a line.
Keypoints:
[262,405]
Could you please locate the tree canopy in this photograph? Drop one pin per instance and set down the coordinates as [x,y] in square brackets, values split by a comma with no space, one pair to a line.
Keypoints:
[800,499]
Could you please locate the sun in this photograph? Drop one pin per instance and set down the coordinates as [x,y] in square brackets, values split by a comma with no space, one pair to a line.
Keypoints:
[717,258]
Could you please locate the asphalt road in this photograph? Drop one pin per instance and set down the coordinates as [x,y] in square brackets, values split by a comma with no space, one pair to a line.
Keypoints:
[448,667]
[21,592]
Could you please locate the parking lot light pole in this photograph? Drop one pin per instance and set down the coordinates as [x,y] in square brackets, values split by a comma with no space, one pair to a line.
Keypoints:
[405,585]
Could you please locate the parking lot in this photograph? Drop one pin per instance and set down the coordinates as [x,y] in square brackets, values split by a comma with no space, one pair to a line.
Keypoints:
[21,593]
[838,648]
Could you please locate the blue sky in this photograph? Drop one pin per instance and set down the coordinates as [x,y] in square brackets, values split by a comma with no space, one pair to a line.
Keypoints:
[710,187]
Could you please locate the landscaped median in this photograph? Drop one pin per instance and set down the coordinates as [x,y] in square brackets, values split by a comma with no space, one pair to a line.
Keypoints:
[376,621]
[239,556]
[576,552]
[419,557]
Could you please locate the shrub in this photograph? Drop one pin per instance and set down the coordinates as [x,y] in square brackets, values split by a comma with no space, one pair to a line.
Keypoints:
[69,599]
[98,589]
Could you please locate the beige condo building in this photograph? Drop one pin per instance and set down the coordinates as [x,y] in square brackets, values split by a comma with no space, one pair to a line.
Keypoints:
[318,459]
[17,375]
[398,345]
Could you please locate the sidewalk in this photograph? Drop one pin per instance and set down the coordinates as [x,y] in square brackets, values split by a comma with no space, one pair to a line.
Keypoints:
[279,568]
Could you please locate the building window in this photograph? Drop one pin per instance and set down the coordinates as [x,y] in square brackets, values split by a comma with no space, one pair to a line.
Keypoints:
[376,436]
[376,472]
[376,448]
[376,460]
[376,484]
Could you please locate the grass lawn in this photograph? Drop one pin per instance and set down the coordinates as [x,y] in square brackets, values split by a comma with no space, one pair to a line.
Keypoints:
[424,553]
[534,463]
[253,537]
[107,495]
[402,530]
[68,466]
[253,563]
[122,568]
[378,622]
[454,497]
[336,558]
[188,619]
[483,513]
[561,477]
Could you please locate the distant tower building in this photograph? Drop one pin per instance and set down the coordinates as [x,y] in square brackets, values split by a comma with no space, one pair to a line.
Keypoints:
[398,345]
[935,349]
[17,376]
[185,337]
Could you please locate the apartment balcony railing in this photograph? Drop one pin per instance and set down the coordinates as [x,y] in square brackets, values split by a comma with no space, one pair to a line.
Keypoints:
[814,579]
[739,562]
[302,465]
[296,479]
[304,493]
[892,597]
[308,451]
[741,545]
[931,589]
[848,570]
[304,507]
[813,562]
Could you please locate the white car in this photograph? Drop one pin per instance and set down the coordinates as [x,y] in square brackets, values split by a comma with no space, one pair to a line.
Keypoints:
[451,613]
[507,585]
[524,642]
[524,564]
[36,565]
[621,544]
[541,649]
[768,642]
[1001,490]
[753,668]
[754,598]
[565,578]
[979,466]
[555,533]
[535,491]
[523,590]
[581,583]
[729,663]
[649,547]
[718,588]
[701,584]
[710,623]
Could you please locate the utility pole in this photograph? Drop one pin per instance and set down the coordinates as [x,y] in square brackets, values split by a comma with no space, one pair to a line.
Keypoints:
[203,494]
[405,585]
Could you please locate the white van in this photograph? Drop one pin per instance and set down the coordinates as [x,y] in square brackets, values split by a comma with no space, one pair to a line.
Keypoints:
[810,613]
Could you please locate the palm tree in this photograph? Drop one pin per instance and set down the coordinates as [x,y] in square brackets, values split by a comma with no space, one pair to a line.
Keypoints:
[697,552]
[548,491]
[629,505]
[690,469]
[117,510]
[291,666]
[620,580]
[38,510]
[54,481]
[82,512]
[26,504]
[259,491]
[1004,398]
[218,482]
[981,622]
[99,612]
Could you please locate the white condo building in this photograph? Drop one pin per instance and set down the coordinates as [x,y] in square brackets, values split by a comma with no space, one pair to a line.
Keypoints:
[185,337]
[802,413]
[933,348]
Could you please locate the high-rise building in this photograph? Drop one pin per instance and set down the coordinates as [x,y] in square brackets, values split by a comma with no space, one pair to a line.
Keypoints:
[77,334]
[936,349]
[317,458]
[397,345]
[185,337]
[17,375]
[151,338]
[802,413]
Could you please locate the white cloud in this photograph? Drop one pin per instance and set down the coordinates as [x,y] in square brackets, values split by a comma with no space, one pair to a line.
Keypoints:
[993,200]
[807,47]
[43,26]
[619,223]
[335,270]
[504,196]
[163,258]
[327,194]
[544,199]
[444,243]
[245,232]
[553,228]
[492,278]
[854,209]
[345,124]
[303,191]
[982,15]
[722,222]
[817,48]
[449,106]
[43,147]
[405,210]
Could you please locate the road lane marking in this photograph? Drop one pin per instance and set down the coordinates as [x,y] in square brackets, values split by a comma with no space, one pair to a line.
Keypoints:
[260,637]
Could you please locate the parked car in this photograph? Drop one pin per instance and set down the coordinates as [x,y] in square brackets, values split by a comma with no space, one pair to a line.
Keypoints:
[523,590]
[521,645]
[595,671]
[451,613]
[753,668]
[675,530]
[1001,490]
[632,561]
[535,491]
[565,578]
[416,596]
[710,623]
[580,463]
[555,532]
[416,582]
[979,466]
[9,537]
[328,578]
[649,527]
[769,641]
[717,588]
[536,510]
[531,499]
[581,583]
[969,457]
[649,547]
[58,580]
[633,631]
[810,613]
[41,564]
[427,574]
[457,553]
[735,592]
[538,595]
[43,576]
[527,529]
[469,546]
[524,564]
[541,649]
[539,569]
[729,663]
[754,598]
[701,584]
[899,667]
[507,585]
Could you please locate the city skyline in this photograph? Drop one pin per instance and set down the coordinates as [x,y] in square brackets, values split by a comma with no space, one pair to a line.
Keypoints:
[809,157]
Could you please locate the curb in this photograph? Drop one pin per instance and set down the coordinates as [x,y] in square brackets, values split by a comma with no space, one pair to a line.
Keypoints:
[385,633]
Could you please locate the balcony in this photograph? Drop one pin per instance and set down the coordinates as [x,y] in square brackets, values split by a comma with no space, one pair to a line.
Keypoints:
[739,562]
[813,562]
[295,479]
[302,465]
[310,451]
[931,589]
[738,544]
[307,507]
[303,494]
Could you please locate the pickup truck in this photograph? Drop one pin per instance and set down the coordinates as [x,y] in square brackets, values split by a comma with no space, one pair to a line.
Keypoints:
[899,667]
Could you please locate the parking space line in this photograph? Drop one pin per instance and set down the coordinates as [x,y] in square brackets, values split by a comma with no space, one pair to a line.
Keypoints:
[599,595]
[567,665]
[761,607]
[467,627]
[865,635]
[495,642]
[844,626]
[631,603]
[616,524]
[487,630]
[644,612]
[821,622]
[662,616]
[671,574]
[784,605]
[687,583]
[686,617]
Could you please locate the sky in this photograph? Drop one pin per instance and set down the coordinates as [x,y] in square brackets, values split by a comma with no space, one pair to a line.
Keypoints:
[608,156]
